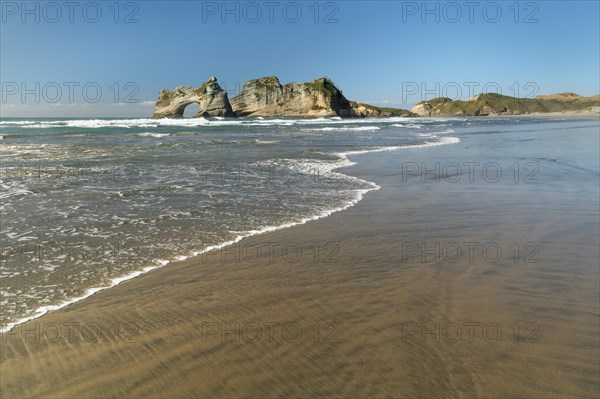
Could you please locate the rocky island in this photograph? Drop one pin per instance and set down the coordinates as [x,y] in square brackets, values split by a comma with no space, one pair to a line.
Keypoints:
[267,97]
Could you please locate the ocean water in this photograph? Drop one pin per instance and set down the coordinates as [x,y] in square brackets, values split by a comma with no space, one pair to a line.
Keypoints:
[88,203]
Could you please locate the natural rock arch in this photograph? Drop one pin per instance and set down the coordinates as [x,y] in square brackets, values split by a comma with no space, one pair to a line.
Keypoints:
[211,99]
[191,110]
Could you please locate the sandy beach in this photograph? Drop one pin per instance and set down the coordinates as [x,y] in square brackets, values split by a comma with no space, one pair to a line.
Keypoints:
[591,113]
[446,282]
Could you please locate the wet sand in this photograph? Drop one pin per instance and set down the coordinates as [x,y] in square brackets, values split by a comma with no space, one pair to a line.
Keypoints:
[379,302]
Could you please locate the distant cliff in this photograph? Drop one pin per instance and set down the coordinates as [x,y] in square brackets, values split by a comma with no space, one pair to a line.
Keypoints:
[496,104]
[267,97]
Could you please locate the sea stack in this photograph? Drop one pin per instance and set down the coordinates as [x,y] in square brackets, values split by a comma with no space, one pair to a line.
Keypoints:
[211,98]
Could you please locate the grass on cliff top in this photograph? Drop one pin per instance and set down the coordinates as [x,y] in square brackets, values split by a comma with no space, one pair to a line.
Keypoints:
[391,111]
[320,85]
[200,90]
[324,86]
[165,97]
[268,82]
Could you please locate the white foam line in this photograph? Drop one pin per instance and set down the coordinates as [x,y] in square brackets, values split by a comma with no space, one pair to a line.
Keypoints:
[198,122]
[445,140]
[39,312]
[42,310]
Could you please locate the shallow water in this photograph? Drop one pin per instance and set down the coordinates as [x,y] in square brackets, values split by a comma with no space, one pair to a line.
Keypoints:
[87,203]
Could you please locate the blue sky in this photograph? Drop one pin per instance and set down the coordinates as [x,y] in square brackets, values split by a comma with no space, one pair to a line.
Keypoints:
[62,61]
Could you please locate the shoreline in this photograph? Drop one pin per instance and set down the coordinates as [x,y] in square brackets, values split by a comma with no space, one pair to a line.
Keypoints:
[371,294]
[568,114]
[43,310]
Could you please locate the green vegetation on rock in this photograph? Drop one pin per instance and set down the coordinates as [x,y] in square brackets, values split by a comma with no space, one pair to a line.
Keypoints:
[269,83]
[387,110]
[324,86]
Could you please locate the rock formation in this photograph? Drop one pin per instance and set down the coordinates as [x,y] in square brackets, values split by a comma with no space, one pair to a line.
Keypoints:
[211,98]
[426,108]
[259,97]
[371,111]
[267,97]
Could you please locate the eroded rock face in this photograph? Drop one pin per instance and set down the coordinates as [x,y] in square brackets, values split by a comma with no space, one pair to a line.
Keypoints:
[370,111]
[211,98]
[422,109]
[268,97]
[431,107]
